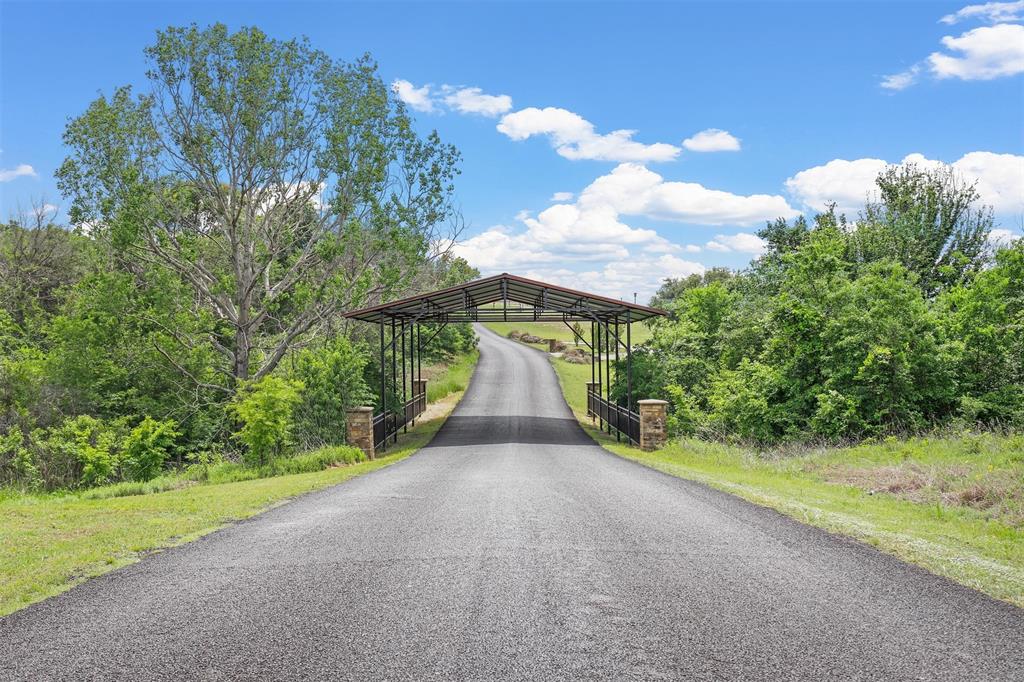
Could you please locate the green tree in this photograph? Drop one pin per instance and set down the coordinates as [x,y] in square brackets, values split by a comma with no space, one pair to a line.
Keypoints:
[332,375]
[147,447]
[264,407]
[984,324]
[280,185]
[929,221]
[883,364]
[672,288]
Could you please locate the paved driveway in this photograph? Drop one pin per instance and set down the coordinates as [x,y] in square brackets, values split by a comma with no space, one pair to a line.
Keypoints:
[515,548]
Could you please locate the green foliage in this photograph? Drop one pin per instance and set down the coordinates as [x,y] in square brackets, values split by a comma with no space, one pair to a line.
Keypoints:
[747,402]
[839,333]
[325,195]
[83,451]
[928,221]
[452,341]
[333,377]
[175,293]
[147,447]
[983,325]
[264,408]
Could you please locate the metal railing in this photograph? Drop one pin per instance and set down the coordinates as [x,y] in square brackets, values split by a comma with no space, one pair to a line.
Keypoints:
[387,424]
[622,419]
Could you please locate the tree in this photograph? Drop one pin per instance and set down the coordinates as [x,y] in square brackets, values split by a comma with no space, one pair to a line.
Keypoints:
[265,408]
[282,186]
[674,287]
[928,221]
[37,260]
[984,324]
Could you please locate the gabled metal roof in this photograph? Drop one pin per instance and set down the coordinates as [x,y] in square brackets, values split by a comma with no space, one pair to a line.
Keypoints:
[505,297]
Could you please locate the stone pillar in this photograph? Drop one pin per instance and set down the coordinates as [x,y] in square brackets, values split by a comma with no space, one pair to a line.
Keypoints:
[359,424]
[552,345]
[652,424]
[596,388]
[418,387]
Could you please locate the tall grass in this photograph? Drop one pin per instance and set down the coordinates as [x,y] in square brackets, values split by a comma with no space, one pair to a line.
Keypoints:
[224,471]
[455,378]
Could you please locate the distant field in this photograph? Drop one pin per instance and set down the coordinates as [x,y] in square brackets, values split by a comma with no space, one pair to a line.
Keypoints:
[557,330]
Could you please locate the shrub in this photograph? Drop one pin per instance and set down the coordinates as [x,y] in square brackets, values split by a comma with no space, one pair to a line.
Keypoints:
[83,451]
[146,448]
[746,404]
[17,465]
[333,379]
[265,408]
[685,417]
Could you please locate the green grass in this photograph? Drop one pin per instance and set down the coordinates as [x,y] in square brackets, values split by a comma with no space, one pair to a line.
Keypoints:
[952,504]
[454,379]
[51,542]
[231,472]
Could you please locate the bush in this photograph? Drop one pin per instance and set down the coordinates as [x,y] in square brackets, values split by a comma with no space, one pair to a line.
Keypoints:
[82,452]
[146,448]
[216,470]
[265,408]
[17,465]
[333,379]
[746,404]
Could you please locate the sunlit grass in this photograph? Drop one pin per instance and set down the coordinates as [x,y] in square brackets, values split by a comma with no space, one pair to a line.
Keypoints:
[953,504]
[557,330]
[51,542]
[454,379]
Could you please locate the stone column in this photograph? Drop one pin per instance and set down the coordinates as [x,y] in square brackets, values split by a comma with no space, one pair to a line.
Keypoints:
[652,424]
[552,345]
[359,424]
[418,387]
[596,388]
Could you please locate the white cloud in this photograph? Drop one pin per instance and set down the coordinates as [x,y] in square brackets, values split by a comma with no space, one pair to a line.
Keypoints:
[999,178]
[633,189]
[903,79]
[993,12]
[46,211]
[589,245]
[22,170]
[475,101]
[983,53]
[1000,238]
[417,98]
[561,196]
[640,275]
[986,52]
[712,140]
[845,183]
[742,242]
[575,138]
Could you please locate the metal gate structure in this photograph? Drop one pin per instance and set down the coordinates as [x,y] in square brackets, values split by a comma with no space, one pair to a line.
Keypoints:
[505,298]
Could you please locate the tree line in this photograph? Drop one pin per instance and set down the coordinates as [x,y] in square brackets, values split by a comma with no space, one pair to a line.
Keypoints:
[224,216]
[907,319]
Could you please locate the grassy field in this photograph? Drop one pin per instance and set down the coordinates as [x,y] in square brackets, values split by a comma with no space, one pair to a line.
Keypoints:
[49,543]
[953,504]
[557,330]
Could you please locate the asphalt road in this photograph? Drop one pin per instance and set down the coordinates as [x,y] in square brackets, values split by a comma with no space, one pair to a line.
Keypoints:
[515,548]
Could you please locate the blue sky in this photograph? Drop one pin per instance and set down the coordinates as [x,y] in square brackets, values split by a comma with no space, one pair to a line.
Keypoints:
[809,101]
